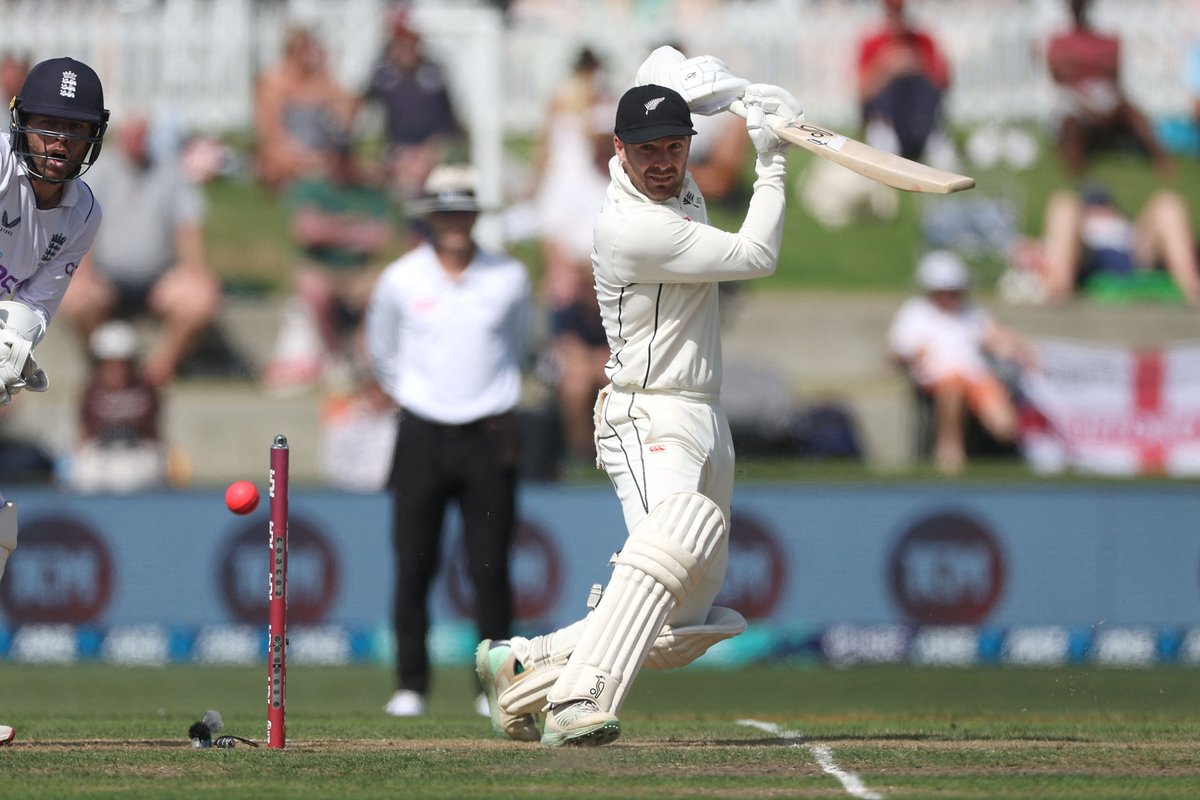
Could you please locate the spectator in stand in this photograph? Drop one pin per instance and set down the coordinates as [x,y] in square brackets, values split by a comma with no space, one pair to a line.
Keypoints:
[149,256]
[120,448]
[902,78]
[945,341]
[299,109]
[23,459]
[341,224]
[358,436]
[420,124]
[1193,80]
[720,155]
[1088,240]
[13,69]
[1095,114]
[572,169]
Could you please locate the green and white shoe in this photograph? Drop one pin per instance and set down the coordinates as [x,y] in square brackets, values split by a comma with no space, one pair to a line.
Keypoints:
[497,668]
[580,723]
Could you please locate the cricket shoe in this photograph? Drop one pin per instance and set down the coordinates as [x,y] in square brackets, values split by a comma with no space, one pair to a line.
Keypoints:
[7,735]
[497,668]
[580,723]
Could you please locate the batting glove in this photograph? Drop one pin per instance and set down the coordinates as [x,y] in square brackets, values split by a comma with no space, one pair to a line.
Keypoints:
[704,82]
[768,105]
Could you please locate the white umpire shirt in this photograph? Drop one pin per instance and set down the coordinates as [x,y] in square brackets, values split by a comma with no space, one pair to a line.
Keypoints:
[41,248]
[657,266]
[449,348]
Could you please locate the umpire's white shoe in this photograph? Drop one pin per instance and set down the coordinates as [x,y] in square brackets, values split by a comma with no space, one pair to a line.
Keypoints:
[497,667]
[580,723]
[7,735]
[406,703]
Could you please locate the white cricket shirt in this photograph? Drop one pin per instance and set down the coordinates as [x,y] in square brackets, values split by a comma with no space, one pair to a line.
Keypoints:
[40,249]
[449,348]
[657,266]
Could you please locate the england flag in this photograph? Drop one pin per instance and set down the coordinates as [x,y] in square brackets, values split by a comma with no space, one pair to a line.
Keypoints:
[1113,410]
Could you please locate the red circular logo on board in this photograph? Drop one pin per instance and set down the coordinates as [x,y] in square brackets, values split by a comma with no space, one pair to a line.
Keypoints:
[535,573]
[245,564]
[757,569]
[947,569]
[62,572]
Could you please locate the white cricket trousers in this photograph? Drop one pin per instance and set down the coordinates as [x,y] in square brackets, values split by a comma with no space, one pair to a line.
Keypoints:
[655,444]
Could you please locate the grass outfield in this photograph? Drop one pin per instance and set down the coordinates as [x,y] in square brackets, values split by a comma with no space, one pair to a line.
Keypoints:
[248,241]
[762,732]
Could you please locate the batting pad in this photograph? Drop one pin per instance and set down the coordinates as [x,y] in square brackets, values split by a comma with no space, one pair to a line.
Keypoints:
[666,554]
[674,647]
[679,646]
[8,532]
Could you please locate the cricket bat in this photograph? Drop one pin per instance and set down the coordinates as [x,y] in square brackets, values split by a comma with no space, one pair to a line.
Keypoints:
[878,165]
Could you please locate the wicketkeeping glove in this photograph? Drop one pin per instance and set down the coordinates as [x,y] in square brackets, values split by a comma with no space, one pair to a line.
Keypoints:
[15,351]
[766,106]
[18,370]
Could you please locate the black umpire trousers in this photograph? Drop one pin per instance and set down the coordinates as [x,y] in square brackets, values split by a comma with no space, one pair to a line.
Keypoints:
[476,466]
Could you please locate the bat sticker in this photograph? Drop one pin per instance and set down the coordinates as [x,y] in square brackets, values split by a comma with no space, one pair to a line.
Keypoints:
[820,136]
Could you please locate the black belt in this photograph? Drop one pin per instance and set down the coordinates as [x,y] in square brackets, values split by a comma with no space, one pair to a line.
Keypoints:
[461,426]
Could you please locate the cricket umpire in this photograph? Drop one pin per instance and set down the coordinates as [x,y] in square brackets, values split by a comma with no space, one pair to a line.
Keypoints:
[661,434]
[447,333]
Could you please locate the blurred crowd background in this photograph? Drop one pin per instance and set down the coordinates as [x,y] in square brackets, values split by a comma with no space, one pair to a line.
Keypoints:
[288,140]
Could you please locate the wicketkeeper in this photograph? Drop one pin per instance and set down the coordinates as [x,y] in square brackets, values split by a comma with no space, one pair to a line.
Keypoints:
[49,221]
[661,433]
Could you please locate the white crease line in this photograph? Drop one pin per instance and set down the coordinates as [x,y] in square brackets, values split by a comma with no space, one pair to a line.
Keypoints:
[824,756]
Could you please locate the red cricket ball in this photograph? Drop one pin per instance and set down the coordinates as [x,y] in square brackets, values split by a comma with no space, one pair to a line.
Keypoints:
[241,497]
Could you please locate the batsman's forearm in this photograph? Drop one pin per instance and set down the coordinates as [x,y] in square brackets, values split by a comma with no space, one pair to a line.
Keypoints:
[764,217]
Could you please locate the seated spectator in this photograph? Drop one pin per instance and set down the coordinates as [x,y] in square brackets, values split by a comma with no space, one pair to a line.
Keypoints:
[945,341]
[573,154]
[13,69]
[1088,239]
[119,449]
[149,256]
[1193,80]
[420,124]
[22,457]
[358,437]
[902,78]
[341,224]
[299,108]
[1095,114]
[718,158]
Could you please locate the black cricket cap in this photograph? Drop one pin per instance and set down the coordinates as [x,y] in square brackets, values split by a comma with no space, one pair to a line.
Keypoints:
[651,112]
[64,88]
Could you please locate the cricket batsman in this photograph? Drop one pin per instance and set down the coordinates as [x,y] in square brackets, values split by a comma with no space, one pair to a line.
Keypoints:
[661,433]
[48,220]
